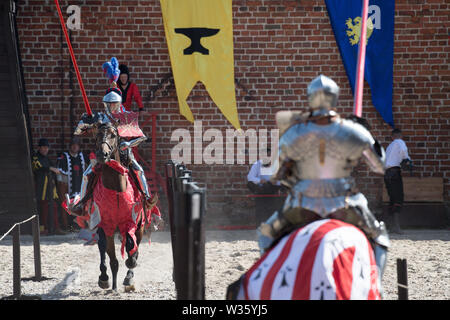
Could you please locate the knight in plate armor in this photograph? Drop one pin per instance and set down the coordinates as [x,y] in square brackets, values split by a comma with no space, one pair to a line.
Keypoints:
[317,152]
[112,101]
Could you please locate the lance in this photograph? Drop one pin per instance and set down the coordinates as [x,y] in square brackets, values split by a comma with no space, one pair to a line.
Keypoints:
[357,109]
[74,61]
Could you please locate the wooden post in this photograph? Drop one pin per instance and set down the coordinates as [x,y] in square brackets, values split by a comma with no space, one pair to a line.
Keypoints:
[181,224]
[170,186]
[37,249]
[196,240]
[16,262]
[402,279]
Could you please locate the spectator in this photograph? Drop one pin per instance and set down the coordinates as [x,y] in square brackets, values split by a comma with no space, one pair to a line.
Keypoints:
[396,153]
[129,89]
[258,181]
[72,164]
[44,175]
[258,178]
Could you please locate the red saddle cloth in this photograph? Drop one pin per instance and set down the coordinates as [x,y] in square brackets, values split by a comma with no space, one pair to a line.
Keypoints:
[128,125]
[121,209]
[117,209]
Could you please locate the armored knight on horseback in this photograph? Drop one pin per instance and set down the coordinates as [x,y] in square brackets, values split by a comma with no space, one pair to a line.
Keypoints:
[114,192]
[112,101]
[317,151]
[113,106]
[324,243]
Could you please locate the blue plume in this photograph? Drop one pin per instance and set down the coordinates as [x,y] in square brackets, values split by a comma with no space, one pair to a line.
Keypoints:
[112,69]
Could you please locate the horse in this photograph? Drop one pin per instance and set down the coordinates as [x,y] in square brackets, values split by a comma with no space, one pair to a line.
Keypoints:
[114,193]
[325,260]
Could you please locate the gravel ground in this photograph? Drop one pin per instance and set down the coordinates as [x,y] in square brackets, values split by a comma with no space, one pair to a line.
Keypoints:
[72,268]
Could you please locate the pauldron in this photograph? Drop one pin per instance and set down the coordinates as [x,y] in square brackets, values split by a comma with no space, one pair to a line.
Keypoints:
[312,151]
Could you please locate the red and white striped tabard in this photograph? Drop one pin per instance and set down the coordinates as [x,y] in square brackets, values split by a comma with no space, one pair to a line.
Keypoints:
[327,259]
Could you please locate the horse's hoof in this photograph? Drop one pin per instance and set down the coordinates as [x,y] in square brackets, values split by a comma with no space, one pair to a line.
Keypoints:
[130,288]
[128,281]
[128,284]
[104,284]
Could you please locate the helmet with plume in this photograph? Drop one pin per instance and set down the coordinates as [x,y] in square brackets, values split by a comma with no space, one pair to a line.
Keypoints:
[111,69]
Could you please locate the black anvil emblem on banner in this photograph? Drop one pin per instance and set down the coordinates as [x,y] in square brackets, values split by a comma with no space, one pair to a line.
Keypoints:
[195,34]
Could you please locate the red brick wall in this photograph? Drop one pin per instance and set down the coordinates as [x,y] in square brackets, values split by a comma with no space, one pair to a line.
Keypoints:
[279,47]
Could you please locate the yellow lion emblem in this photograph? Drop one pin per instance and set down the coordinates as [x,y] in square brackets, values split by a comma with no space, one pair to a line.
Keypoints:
[355,29]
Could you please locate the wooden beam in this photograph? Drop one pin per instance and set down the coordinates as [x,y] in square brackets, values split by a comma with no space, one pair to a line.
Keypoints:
[417,189]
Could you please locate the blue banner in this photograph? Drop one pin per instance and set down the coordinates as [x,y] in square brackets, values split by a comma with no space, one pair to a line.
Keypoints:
[345,17]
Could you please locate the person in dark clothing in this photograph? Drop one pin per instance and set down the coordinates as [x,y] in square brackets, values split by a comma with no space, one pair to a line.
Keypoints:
[396,153]
[44,176]
[72,164]
[129,89]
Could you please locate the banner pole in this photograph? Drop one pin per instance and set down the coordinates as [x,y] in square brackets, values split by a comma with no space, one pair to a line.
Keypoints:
[74,61]
[357,109]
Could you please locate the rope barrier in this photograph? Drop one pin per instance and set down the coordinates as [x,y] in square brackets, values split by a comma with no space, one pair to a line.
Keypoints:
[17,294]
[16,224]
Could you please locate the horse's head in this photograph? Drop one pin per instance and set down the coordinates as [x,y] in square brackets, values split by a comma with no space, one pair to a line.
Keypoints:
[107,142]
[106,134]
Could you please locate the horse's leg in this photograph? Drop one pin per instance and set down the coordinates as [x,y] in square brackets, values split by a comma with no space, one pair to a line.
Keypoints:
[113,262]
[103,280]
[140,232]
[131,262]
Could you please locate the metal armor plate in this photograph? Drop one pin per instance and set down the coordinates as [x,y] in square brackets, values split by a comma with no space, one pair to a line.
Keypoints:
[328,151]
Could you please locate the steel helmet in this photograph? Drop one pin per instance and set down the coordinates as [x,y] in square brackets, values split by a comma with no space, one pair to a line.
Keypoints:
[323,93]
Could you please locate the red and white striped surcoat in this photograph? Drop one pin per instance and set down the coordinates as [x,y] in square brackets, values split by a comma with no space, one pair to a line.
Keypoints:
[327,259]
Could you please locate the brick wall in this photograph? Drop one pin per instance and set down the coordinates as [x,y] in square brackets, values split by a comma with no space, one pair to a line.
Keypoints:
[279,47]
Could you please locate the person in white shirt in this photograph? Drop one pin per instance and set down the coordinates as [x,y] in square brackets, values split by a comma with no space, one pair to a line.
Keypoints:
[270,197]
[396,152]
[258,178]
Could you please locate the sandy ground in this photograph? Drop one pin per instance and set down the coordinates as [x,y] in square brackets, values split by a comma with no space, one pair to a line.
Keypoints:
[72,268]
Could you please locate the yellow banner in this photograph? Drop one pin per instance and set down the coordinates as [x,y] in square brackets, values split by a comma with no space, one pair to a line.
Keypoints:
[199,36]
